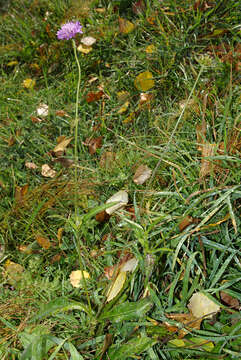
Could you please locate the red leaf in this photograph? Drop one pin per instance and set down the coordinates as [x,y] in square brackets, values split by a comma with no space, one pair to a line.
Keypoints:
[91,96]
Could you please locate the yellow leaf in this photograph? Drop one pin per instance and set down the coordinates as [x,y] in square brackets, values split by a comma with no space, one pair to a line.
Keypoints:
[144,81]
[84,49]
[123,108]
[177,342]
[129,118]
[150,49]
[43,242]
[122,95]
[201,306]
[116,286]
[125,26]
[29,83]
[77,276]
[13,271]
[12,63]
[62,145]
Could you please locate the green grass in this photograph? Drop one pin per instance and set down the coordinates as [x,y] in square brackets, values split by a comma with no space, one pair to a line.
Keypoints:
[196,69]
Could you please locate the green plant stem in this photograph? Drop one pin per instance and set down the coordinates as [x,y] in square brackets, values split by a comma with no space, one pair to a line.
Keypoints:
[76,158]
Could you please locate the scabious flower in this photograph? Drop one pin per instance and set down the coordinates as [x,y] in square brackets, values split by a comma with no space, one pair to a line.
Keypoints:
[69,30]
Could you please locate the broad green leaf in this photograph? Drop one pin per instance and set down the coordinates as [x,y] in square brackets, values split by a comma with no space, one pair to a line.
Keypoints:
[131,348]
[204,344]
[144,81]
[59,305]
[127,311]
[177,342]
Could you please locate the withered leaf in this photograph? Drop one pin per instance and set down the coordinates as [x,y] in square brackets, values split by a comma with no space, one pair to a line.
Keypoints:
[186,221]
[61,146]
[125,26]
[102,216]
[47,171]
[207,165]
[20,193]
[93,144]
[229,300]
[91,96]
[107,159]
[30,165]
[43,242]
[142,174]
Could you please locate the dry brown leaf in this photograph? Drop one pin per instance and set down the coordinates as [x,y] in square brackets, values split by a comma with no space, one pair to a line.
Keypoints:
[142,174]
[31,165]
[60,234]
[93,144]
[36,120]
[61,146]
[107,160]
[186,221]
[229,300]
[61,113]
[43,242]
[47,171]
[94,96]
[102,217]
[65,162]
[188,320]
[201,130]
[55,258]
[207,166]
[20,193]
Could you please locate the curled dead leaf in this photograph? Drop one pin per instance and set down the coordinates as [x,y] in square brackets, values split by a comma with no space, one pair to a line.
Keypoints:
[201,306]
[31,165]
[121,197]
[229,300]
[93,144]
[43,242]
[142,174]
[47,171]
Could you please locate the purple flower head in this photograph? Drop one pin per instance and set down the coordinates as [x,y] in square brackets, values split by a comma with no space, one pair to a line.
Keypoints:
[69,30]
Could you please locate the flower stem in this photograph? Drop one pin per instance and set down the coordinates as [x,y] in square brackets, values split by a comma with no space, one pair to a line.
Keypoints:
[78,243]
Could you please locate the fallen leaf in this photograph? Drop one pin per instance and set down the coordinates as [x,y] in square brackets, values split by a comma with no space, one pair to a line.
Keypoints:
[125,26]
[84,49]
[109,271]
[145,98]
[116,286]
[43,110]
[36,120]
[60,234]
[229,300]
[102,217]
[55,258]
[31,165]
[129,265]
[29,83]
[20,193]
[123,95]
[47,171]
[65,162]
[129,118]
[61,113]
[43,242]
[107,159]
[91,96]
[142,174]
[11,140]
[12,63]
[201,306]
[60,148]
[189,321]
[207,165]
[121,197]
[93,144]
[150,49]
[88,40]
[77,276]
[186,221]
[201,130]
[144,81]
[25,249]
[123,108]
[13,271]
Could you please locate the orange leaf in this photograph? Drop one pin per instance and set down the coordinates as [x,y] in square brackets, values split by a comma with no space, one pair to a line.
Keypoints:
[91,96]
[43,242]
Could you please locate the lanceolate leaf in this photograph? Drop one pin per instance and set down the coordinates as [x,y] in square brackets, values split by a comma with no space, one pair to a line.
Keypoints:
[128,311]
[131,348]
[60,305]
